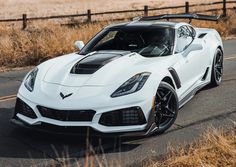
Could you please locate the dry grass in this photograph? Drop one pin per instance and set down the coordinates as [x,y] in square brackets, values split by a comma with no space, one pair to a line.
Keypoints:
[44,40]
[37,42]
[215,148]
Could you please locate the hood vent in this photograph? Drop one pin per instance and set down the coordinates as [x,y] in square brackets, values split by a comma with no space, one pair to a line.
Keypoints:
[94,62]
[85,68]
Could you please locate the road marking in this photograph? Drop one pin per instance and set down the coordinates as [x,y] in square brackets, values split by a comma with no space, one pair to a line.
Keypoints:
[7,98]
[230,58]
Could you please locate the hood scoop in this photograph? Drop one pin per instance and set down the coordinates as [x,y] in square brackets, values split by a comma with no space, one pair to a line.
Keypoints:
[94,62]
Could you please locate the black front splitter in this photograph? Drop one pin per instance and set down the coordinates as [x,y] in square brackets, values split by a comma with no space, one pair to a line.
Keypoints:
[78,131]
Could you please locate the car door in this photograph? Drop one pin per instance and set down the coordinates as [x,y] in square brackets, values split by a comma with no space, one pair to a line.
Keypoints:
[188,67]
[198,47]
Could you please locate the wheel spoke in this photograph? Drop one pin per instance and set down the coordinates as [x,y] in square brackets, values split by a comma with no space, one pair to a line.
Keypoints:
[168,101]
[166,96]
[218,66]
[156,106]
[159,96]
[168,116]
[158,119]
[218,72]
[170,110]
[217,76]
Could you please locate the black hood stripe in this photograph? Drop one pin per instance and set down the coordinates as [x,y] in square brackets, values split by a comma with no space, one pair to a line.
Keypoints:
[94,62]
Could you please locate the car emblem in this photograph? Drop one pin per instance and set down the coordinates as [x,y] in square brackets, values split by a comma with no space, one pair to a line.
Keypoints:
[65,96]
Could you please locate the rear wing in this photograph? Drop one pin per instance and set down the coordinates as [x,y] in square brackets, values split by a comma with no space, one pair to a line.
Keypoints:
[181,16]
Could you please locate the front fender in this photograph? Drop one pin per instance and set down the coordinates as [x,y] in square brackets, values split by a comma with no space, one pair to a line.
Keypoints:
[155,79]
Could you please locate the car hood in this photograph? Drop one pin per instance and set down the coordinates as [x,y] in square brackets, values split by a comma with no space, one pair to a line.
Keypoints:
[95,69]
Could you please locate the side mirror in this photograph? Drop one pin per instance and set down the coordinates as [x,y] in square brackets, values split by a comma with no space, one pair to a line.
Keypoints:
[79,44]
[192,47]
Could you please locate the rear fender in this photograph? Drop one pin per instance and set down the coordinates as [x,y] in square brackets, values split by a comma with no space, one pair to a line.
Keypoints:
[213,41]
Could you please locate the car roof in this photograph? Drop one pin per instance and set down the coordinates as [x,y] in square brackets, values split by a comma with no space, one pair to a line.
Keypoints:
[147,24]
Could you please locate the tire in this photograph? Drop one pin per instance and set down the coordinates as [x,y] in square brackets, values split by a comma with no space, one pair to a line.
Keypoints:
[217,68]
[166,107]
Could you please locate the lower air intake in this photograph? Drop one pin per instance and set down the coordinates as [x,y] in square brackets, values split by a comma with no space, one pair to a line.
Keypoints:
[123,117]
[22,108]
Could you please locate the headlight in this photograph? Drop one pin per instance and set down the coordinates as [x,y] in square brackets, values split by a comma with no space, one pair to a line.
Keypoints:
[30,79]
[132,85]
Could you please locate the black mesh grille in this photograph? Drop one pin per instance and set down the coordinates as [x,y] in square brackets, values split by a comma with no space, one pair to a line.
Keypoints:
[22,108]
[123,117]
[67,115]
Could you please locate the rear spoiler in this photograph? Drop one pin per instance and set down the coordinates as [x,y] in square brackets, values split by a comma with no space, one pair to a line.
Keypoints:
[181,16]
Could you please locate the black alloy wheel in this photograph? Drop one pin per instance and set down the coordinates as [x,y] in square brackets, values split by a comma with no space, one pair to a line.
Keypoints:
[166,107]
[217,68]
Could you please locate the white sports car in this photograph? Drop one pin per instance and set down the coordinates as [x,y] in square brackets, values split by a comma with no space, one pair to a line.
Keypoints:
[131,77]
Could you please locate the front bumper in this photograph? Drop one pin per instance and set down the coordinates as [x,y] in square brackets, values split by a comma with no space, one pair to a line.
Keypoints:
[80,131]
[40,121]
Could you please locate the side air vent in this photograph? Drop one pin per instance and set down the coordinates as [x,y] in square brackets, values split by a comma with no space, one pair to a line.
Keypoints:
[205,74]
[202,35]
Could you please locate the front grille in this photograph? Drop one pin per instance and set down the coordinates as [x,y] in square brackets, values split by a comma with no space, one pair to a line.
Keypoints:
[66,115]
[123,117]
[22,108]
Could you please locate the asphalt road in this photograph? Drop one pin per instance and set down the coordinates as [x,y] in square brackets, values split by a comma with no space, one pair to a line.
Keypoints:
[21,147]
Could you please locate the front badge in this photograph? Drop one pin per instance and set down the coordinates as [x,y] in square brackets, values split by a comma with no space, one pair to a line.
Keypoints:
[65,96]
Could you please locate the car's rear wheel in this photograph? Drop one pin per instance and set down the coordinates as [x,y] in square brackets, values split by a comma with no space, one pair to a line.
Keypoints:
[166,107]
[217,68]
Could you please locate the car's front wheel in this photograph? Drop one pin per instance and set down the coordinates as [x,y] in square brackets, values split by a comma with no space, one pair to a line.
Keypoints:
[166,107]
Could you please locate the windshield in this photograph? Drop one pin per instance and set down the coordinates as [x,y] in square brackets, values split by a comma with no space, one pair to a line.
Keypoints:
[148,42]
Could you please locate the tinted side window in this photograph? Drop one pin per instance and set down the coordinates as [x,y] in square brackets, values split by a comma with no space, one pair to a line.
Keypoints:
[184,38]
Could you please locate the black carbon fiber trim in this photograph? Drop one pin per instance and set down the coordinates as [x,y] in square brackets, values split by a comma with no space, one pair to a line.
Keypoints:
[175,77]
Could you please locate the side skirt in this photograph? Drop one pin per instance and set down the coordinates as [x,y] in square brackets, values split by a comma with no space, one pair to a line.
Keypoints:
[191,94]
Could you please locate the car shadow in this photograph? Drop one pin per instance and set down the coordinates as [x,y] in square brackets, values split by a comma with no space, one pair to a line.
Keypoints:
[18,142]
